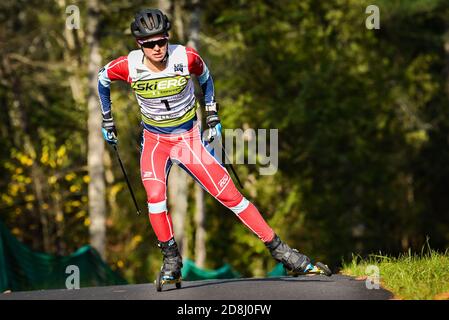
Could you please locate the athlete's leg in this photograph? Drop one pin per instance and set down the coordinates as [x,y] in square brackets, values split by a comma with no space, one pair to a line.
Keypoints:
[154,165]
[216,180]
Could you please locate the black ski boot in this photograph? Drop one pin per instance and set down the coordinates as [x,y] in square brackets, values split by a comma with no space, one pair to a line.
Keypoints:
[291,258]
[293,261]
[172,264]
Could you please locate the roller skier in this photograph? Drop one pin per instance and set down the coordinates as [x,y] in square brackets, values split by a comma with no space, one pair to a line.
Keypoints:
[160,74]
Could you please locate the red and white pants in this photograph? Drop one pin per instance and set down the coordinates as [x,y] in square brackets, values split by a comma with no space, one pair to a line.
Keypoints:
[186,149]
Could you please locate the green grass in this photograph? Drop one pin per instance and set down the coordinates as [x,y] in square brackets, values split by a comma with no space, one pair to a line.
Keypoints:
[421,276]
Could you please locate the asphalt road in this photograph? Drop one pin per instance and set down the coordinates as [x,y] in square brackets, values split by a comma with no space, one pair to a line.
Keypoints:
[317,287]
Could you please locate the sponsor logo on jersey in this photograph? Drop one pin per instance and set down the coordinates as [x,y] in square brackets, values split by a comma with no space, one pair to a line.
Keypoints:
[179,67]
[162,87]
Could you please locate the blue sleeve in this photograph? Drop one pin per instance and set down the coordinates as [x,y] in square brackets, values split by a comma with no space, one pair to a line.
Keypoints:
[207,84]
[104,93]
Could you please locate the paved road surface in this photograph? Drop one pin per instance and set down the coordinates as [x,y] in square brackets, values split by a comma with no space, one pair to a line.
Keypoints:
[337,287]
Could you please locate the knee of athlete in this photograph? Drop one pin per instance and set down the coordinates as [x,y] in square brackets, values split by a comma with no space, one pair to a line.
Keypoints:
[155,195]
[230,196]
[238,205]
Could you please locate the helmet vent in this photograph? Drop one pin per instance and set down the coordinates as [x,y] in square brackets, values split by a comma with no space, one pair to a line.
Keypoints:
[149,22]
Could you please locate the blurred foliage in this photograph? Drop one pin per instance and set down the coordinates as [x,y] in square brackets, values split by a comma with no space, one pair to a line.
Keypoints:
[362,119]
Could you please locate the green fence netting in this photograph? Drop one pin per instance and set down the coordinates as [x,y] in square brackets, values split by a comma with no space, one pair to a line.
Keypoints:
[23,269]
[190,271]
[278,271]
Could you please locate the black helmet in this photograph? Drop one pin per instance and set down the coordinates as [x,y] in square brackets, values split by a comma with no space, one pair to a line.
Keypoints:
[148,22]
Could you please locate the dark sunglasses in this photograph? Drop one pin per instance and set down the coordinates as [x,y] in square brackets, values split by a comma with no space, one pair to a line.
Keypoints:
[152,44]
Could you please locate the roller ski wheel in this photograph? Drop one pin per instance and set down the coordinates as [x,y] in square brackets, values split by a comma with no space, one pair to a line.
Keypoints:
[160,282]
[324,269]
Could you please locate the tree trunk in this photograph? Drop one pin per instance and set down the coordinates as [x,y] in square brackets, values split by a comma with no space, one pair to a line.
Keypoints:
[200,235]
[73,63]
[113,189]
[200,214]
[72,59]
[177,197]
[96,189]
[178,22]
[177,181]
[165,6]
[446,49]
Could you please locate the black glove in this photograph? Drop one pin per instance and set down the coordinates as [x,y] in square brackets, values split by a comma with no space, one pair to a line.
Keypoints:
[109,131]
[213,122]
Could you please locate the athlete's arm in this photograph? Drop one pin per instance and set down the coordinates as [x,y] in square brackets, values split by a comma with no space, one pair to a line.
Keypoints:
[199,68]
[114,70]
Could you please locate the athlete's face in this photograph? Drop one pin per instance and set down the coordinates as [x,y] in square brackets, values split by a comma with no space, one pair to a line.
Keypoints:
[154,47]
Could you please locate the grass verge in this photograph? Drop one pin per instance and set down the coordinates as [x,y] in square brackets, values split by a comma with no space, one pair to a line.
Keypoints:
[423,276]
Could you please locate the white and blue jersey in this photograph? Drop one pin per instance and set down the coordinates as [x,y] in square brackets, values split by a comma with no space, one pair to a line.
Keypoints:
[166,98]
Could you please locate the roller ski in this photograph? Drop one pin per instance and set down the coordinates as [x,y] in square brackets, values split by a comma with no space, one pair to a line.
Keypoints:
[171,267]
[294,262]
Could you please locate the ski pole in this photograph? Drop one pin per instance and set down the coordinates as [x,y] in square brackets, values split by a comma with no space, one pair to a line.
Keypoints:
[127,181]
[231,166]
[229,163]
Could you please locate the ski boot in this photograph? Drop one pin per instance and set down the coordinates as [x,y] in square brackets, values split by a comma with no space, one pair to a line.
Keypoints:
[171,267]
[293,261]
